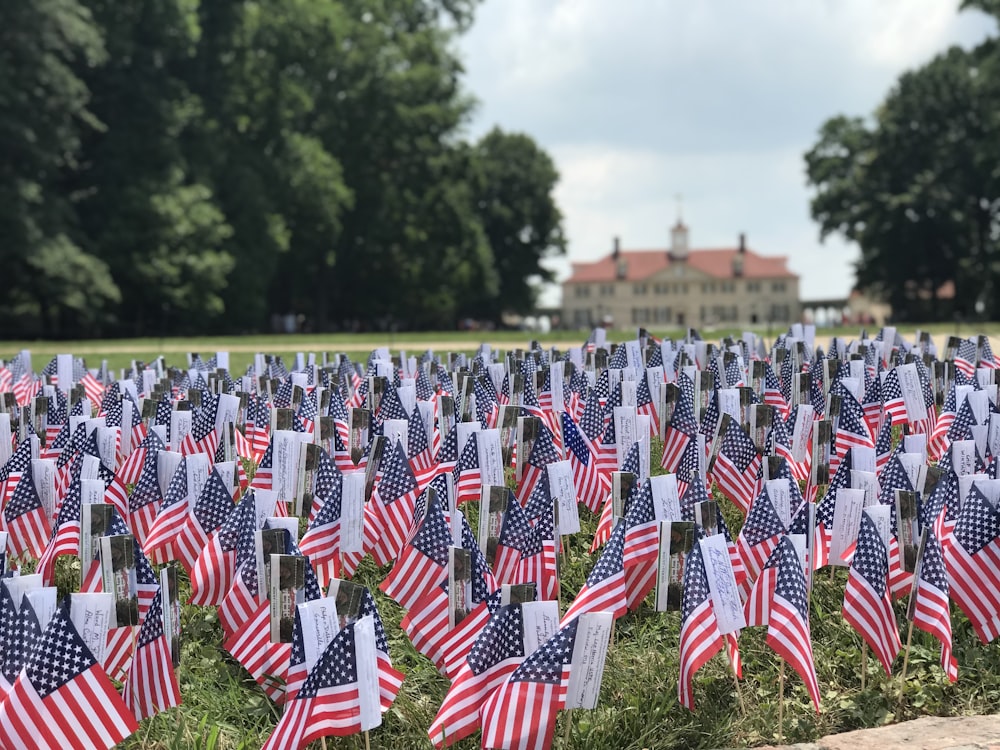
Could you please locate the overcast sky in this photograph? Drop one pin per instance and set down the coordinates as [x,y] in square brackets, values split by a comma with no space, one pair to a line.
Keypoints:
[641,100]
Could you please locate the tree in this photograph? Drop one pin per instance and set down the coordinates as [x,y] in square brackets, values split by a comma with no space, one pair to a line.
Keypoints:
[519,215]
[917,187]
[50,278]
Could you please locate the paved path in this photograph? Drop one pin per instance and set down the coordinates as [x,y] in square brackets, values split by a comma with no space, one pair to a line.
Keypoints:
[927,733]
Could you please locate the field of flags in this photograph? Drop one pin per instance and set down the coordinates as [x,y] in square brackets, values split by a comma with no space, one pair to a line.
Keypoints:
[462,477]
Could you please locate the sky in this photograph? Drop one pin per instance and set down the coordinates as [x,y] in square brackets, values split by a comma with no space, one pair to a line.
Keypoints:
[715,101]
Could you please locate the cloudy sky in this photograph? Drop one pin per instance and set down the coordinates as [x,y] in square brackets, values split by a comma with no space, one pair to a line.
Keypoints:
[717,100]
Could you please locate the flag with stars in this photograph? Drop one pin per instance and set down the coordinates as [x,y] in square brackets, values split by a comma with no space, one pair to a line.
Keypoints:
[788,616]
[389,514]
[761,533]
[66,537]
[892,399]
[332,700]
[321,542]
[210,510]
[496,653]
[19,631]
[591,487]
[62,698]
[592,419]
[25,520]
[700,638]
[543,453]
[932,610]
[736,466]
[171,517]
[867,606]
[972,561]
[851,428]
[216,565]
[423,562]
[521,713]
[150,684]
[604,589]
[10,473]
[682,430]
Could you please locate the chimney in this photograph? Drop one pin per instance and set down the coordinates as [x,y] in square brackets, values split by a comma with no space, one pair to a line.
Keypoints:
[616,252]
[743,242]
[738,260]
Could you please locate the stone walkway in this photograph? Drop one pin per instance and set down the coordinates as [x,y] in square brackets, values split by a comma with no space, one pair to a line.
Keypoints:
[927,733]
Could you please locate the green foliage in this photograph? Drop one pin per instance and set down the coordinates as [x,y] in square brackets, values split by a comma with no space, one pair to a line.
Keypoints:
[915,187]
[190,165]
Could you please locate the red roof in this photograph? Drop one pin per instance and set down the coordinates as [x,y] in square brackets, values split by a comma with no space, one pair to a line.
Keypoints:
[642,264]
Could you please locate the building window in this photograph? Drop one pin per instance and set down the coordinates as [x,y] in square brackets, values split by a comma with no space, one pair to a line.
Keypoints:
[582,291]
[778,286]
[638,289]
[684,288]
[607,290]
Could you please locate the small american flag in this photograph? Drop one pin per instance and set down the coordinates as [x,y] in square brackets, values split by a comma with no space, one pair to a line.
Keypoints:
[521,713]
[867,606]
[604,589]
[62,698]
[973,559]
[932,611]
[150,684]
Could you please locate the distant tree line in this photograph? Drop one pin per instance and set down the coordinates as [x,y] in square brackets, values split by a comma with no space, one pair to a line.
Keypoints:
[917,186]
[172,166]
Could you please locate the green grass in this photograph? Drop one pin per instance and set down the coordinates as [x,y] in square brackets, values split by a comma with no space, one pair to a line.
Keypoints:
[121,352]
[223,708]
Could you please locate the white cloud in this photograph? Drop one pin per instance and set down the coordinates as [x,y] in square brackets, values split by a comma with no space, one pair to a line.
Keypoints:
[640,100]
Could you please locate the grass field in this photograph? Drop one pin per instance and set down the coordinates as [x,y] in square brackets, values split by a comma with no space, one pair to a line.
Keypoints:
[121,352]
[224,709]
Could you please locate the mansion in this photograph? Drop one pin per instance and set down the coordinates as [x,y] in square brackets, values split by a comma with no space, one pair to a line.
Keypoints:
[681,287]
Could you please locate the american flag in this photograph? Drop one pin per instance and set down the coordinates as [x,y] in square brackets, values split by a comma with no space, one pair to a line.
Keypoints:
[62,698]
[604,590]
[426,624]
[521,713]
[321,542]
[216,566]
[171,517]
[497,652]
[19,632]
[932,611]
[736,466]
[66,537]
[964,420]
[487,404]
[603,532]
[642,541]
[851,428]
[592,420]
[696,493]
[824,512]
[867,606]
[209,512]
[144,502]
[543,453]
[468,478]
[871,404]
[883,447]
[772,394]
[591,487]
[761,533]
[892,399]
[423,562]
[330,700]
[973,561]
[700,638]
[25,519]
[203,437]
[150,684]
[389,514]
[11,472]
[965,358]
[937,443]
[788,623]
[682,430]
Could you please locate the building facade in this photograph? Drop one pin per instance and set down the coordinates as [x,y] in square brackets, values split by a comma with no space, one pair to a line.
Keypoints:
[680,287]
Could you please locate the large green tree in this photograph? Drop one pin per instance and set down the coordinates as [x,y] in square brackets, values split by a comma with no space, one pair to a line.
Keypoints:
[916,187]
[46,46]
[523,224]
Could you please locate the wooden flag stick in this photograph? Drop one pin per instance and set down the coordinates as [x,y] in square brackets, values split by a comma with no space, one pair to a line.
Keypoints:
[781,701]
[864,663]
[322,741]
[736,682]
[569,727]
[368,742]
[906,663]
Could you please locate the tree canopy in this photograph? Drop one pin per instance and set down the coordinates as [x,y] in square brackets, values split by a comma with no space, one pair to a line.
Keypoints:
[195,165]
[917,186]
